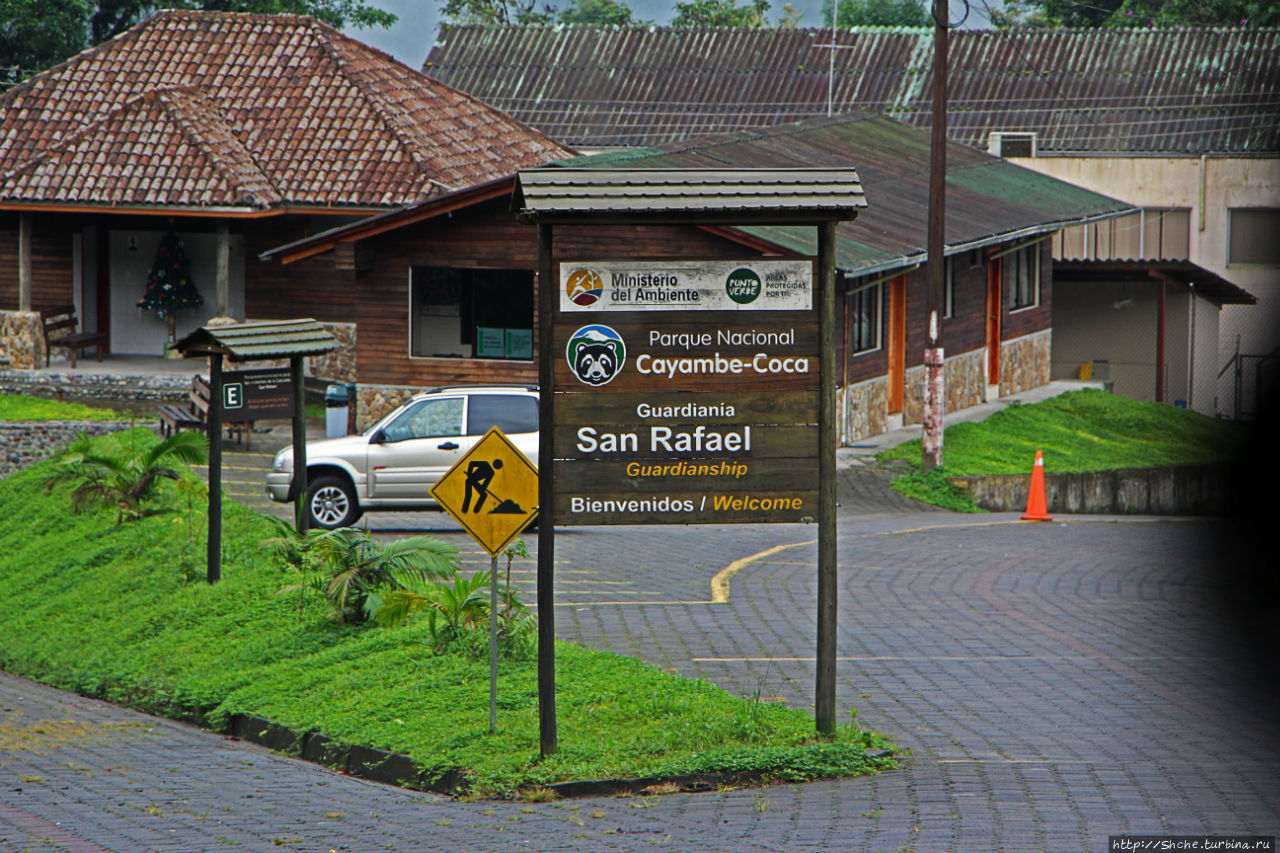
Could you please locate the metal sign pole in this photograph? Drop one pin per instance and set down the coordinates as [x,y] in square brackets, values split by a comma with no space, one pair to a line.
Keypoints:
[493,644]
[213,558]
[302,516]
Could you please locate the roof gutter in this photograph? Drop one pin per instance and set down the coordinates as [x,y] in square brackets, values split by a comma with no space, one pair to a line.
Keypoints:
[1032,233]
[226,212]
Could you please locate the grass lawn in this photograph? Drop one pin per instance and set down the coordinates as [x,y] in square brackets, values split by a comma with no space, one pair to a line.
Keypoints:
[16,408]
[123,613]
[1087,430]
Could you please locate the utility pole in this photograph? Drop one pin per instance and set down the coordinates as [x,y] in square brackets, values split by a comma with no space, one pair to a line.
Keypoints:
[934,390]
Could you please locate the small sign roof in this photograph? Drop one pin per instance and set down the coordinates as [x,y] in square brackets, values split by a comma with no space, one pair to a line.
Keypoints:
[722,196]
[257,341]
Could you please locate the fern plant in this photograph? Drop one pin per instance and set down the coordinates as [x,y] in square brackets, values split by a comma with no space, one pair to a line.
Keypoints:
[124,477]
[458,615]
[353,571]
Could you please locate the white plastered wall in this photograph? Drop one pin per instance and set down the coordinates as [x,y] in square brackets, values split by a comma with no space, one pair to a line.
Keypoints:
[1209,187]
[135,332]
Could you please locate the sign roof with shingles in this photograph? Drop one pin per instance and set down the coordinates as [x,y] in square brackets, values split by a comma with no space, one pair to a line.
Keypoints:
[257,341]
[726,195]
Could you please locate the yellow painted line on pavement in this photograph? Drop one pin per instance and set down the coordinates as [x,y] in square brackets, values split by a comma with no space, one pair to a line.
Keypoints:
[720,583]
[585,604]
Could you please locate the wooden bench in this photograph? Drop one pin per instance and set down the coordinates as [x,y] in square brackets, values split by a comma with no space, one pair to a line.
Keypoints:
[196,414]
[174,418]
[60,332]
[200,408]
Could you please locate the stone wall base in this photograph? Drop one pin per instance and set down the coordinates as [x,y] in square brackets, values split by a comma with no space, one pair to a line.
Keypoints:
[1171,490]
[21,340]
[863,407]
[24,444]
[88,386]
[1025,363]
[373,402]
[964,384]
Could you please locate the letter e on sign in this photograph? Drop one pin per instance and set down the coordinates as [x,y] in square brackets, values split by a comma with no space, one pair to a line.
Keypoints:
[232,396]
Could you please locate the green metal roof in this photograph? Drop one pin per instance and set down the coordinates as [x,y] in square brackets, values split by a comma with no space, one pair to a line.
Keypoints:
[989,201]
[259,341]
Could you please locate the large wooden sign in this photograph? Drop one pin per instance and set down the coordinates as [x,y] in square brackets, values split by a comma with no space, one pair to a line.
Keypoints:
[686,392]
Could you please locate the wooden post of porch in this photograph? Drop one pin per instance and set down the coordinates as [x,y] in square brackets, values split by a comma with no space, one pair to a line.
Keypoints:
[224,269]
[24,262]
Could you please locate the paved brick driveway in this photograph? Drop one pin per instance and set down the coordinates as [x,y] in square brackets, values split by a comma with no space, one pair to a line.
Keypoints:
[1054,683]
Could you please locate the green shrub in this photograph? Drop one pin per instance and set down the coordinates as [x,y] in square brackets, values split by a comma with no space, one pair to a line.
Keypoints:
[124,470]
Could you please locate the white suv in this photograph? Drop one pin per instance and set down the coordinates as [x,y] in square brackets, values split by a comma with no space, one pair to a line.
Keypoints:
[394,463]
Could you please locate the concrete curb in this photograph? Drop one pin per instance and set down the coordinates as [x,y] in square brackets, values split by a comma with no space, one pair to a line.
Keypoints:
[393,768]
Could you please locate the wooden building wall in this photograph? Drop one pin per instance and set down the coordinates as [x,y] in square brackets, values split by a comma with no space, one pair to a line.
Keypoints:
[51,261]
[1028,320]
[964,331]
[483,236]
[323,287]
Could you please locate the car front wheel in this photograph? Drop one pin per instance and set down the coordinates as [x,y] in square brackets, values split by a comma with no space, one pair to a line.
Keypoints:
[332,503]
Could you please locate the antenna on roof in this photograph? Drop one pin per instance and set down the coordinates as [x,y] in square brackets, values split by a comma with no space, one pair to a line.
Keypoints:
[831,71]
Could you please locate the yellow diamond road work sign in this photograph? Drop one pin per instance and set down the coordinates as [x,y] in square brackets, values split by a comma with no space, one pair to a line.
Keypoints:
[492,491]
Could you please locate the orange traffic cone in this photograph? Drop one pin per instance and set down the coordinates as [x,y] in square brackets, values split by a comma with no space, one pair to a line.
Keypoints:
[1037,506]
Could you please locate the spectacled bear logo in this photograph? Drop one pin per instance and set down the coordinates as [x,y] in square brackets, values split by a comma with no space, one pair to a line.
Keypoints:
[584,287]
[596,354]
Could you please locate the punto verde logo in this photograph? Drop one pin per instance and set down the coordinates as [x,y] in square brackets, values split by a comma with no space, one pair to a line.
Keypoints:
[743,286]
[596,354]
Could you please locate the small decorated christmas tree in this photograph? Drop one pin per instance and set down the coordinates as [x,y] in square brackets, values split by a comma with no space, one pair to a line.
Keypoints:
[169,285]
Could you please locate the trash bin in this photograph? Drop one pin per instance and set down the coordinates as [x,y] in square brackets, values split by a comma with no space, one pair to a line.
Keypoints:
[335,411]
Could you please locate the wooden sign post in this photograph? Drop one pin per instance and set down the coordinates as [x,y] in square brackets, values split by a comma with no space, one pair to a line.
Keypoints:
[686,391]
[252,394]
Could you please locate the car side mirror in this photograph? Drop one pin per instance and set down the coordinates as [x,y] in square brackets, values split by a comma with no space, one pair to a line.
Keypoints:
[379,437]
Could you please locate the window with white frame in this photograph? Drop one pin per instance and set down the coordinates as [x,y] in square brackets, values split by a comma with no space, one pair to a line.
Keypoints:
[470,313]
[863,332]
[949,289]
[1021,277]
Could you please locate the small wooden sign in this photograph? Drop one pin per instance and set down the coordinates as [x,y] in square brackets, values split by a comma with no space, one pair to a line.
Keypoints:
[249,395]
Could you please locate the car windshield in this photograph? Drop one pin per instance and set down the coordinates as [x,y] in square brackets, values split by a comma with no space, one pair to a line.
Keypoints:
[431,418]
[511,413]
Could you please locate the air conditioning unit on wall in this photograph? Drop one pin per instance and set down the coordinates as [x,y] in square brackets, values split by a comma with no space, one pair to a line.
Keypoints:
[1009,144]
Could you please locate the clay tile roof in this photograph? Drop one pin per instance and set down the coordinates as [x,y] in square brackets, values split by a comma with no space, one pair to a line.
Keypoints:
[221,109]
[168,147]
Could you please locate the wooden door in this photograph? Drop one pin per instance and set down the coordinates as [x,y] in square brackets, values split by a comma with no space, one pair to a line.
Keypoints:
[995,272]
[896,342]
